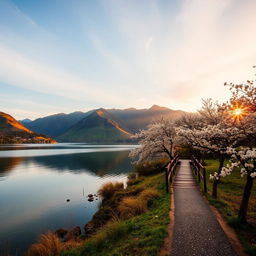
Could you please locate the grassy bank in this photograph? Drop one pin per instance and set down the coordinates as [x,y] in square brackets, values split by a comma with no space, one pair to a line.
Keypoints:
[130,221]
[139,235]
[230,191]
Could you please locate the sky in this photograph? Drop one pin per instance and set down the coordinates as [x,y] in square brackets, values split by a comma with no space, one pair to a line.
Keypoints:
[76,55]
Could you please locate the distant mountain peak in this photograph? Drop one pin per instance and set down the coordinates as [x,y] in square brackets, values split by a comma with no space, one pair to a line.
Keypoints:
[26,120]
[99,126]
[101,111]
[156,107]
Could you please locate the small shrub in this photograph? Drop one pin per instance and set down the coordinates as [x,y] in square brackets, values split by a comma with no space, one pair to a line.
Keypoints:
[149,168]
[135,181]
[48,245]
[149,194]
[132,176]
[107,190]
[131,206]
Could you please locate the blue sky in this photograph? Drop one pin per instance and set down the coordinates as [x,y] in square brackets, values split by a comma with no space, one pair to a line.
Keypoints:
[67,55]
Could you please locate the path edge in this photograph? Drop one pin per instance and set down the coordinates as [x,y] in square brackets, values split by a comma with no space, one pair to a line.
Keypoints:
[228,230]
[166,250]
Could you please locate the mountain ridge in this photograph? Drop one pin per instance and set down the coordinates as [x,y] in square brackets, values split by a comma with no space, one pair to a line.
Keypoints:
[98,126]
[129,121]
[12,131]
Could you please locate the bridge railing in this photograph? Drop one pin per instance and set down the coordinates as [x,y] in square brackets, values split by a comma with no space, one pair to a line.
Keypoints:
[170,172]
[200,172]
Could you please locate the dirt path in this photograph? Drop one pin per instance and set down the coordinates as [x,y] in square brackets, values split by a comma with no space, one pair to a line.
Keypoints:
[196,230]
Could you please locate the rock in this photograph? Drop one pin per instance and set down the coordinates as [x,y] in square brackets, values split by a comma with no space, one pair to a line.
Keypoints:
[90,195]
[61,233]
[89,229]
[68,200]
[73,233]
[90,199]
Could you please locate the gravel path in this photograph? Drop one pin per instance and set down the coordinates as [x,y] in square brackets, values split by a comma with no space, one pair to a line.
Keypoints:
[196,230]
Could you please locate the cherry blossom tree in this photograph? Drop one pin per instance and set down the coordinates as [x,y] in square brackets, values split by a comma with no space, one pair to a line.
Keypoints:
[245,159]
[240,111]
[212,138]
[210,134]
[159,138]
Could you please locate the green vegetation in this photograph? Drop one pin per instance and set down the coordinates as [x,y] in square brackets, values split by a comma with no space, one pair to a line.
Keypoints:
[135,220]
[152,167]
[230,196]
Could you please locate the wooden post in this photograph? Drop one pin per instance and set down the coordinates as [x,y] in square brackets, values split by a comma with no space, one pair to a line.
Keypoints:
[205,185]
[166,180]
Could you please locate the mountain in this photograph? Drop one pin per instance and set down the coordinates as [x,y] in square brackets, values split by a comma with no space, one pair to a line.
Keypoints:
[25,121]
[12,131]
[61,126]
[55,125]
[99,126]
[137,119]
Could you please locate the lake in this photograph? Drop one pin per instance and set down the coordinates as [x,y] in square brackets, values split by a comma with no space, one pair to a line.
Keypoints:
[36,181]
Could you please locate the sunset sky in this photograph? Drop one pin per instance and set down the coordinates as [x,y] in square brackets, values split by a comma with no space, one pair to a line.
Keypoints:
[68,55]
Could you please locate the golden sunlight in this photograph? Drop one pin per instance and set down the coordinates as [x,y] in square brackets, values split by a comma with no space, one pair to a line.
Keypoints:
[238,113]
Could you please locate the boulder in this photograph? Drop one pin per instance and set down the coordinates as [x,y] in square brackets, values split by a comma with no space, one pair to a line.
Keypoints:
[73,234]
[61,233]
[89,229]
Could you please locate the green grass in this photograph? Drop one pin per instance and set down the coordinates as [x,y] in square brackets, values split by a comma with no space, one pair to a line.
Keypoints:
[142,235]
[230,190]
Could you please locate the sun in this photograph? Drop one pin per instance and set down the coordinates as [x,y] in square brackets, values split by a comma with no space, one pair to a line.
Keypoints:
[238,113]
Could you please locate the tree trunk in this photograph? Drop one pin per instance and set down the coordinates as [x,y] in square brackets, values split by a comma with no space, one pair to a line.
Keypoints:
[216,182]
[214,188]
[245,200]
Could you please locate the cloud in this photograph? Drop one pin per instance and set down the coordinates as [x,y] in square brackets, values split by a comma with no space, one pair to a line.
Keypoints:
[169,54]
[22,71]
[148,44]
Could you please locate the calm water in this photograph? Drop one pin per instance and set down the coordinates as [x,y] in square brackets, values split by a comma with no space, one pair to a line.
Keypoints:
[36,181]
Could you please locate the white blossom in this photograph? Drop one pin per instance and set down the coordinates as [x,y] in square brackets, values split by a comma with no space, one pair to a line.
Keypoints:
[159,138]
[245,158]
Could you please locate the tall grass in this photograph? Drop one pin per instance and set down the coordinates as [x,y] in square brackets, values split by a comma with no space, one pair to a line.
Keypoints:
[107,190]
[149,194]
[110,233]
[50,245]
[136,234]
[131,206]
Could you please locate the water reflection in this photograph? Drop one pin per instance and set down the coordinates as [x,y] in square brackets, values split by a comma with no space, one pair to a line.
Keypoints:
[100,163]
[33,191]
[7,164]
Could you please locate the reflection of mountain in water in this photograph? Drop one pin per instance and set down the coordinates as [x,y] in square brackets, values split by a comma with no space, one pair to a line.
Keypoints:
[100,163]
[7,164]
